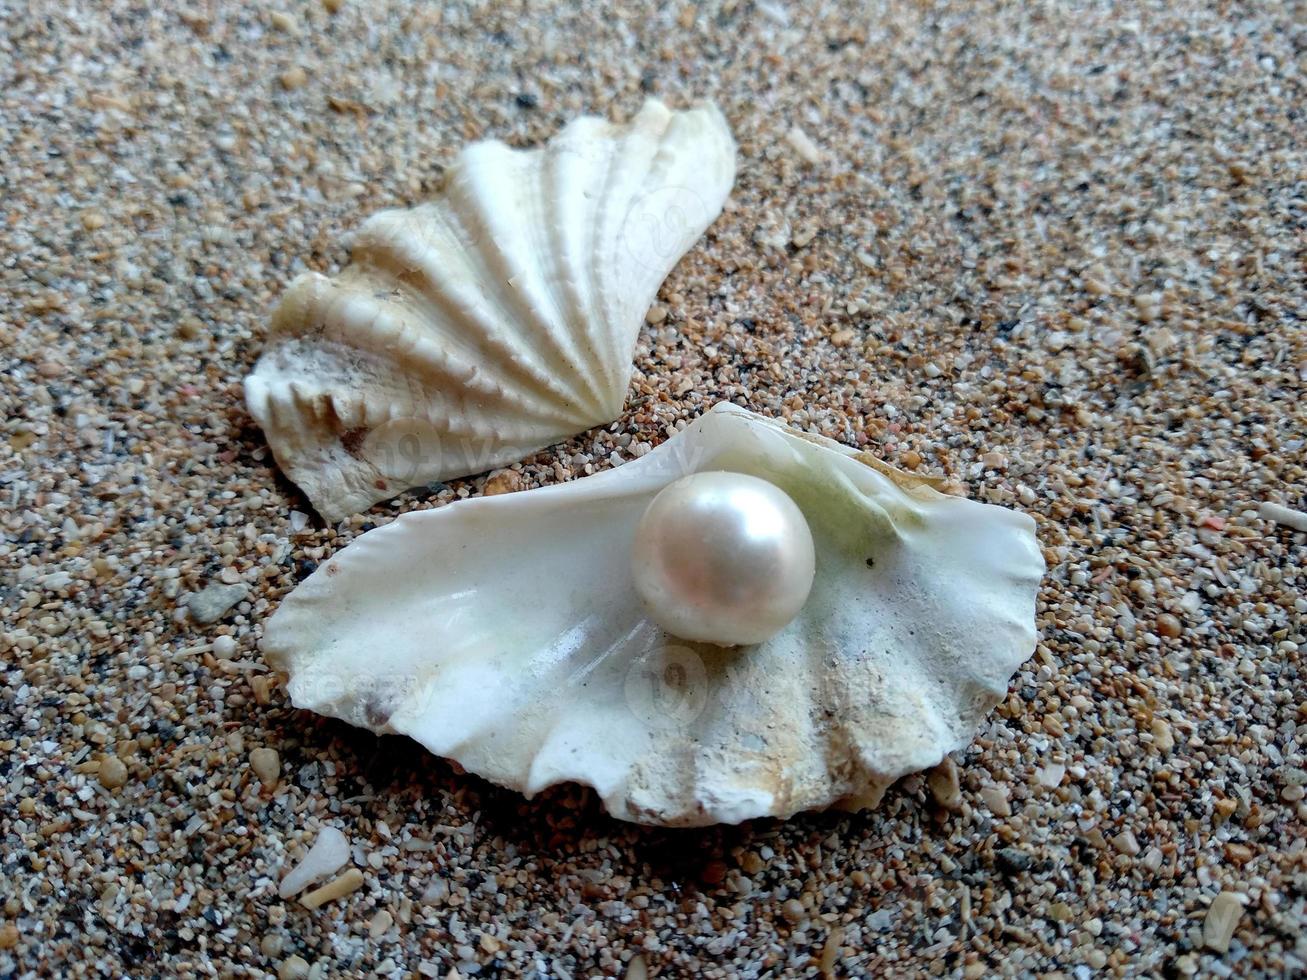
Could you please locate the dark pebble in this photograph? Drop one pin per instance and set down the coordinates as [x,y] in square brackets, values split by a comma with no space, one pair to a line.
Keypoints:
[1012,860]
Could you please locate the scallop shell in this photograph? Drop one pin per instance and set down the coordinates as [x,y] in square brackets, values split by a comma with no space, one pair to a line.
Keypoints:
[493,321]
[504,632]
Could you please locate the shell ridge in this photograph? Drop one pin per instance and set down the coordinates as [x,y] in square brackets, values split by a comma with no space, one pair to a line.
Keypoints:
[618,187]
[288,315]
[455,316]
[575,156]
[491,301]
[375,414]
[549,231]
[390,339]
[672,184]
[459,312]
[636,282]
[513,288]
[607,348]
[539,281]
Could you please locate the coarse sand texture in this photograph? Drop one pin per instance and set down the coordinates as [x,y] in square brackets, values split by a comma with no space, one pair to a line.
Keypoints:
[1049,254]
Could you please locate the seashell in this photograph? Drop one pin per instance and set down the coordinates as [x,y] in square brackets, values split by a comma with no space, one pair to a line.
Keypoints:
[508,633]
[493,321]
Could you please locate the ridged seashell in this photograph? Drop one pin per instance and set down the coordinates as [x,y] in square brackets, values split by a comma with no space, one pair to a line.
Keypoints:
[504,632]
[493,321]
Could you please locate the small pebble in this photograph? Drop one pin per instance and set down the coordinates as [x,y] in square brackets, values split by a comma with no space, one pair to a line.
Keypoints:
[804,235]
[262,686]
[293,78]
[266,764]
[213,602]
[995,797]
[1223,809]
[350,881]
[380,924]
[1168,625]
[436,892]
[330,852]
[713,872]
[1163,738]
[113,772]
[830,952]
[803,145]
[1060,912]
[1013,860]
[1222,919]
[1126,843]
[224,647]
[293,968]
[505,481]
[1239,854]
[944,785]
[1050,774]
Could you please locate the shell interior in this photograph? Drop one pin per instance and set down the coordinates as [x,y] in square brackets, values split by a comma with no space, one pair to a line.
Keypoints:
[504,632]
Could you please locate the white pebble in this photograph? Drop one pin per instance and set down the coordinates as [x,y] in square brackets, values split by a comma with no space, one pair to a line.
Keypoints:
[1271,511]
[803,145]
[329,854]
[1222,919]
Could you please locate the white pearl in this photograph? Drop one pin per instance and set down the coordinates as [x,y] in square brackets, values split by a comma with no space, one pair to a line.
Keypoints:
[723,558]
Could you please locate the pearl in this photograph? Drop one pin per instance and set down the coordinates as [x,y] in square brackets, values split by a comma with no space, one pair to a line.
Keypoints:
[723,558]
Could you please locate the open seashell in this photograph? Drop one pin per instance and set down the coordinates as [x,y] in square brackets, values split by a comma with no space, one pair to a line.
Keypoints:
[507,633]
[493,321]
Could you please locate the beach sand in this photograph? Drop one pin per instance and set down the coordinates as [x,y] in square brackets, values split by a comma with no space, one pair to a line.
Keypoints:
[1053,255]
